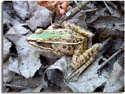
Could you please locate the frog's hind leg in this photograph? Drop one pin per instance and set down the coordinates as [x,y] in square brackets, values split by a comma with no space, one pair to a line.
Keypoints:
[80,63]
[79,50]
[78,29]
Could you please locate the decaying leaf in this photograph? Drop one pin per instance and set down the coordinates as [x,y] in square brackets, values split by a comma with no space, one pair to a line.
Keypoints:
[55,73]
[89,77]
[38,70]
[6,47]
[59,6]
[28,61]
[21,8]
[18,29]
[7,74]
[41,17]
[115,82]
[104,33]
[108,26]
[88,81]
[107,21]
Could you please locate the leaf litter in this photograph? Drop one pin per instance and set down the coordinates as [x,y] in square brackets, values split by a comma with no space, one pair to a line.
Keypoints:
[24,66]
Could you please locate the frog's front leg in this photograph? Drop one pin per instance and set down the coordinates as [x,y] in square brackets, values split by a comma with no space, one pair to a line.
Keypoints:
[81,62]
[78,29]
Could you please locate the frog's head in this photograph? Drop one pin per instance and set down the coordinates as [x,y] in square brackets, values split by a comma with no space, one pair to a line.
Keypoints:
[36,36]
[44,38]
[37,39]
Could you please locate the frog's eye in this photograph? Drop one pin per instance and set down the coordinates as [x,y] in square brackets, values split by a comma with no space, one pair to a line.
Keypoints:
[38,31]
[39,40]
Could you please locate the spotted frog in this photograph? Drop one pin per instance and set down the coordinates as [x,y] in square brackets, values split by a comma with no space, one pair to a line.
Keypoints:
[65,39]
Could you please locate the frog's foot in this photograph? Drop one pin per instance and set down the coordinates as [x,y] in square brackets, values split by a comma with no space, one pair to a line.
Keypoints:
[77,29]
[84,60]
[77,72]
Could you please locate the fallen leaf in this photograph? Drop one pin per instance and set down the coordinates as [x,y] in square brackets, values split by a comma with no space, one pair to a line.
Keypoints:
[28,61]
[116,80]
[51,5]
[104,33]
[7,74]
[107,21]
[6,47]
[59,6]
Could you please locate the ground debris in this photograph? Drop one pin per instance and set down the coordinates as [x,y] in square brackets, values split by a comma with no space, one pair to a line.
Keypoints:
[26,68]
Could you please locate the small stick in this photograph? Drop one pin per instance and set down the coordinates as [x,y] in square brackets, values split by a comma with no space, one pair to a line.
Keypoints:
[74,11]
[108,8]
[90,10]
[76,2]
[115,54]
[15,86]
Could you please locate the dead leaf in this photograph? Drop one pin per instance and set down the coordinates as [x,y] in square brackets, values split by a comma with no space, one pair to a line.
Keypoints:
[107,21]
[28,61]
[59,6]
[7,74]
[116,80]
[104,33]
[6,47]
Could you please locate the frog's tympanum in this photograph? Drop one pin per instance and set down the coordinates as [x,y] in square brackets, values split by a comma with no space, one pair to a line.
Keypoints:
[66,39]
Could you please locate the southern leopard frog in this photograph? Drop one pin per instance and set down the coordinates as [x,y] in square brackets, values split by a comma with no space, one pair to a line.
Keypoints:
[67,39]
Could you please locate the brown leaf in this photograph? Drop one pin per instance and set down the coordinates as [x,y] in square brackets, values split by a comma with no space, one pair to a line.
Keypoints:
[104,33]
[104,21]
[59,6]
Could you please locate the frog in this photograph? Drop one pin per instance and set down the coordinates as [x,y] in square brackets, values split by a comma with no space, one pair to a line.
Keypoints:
[66,39]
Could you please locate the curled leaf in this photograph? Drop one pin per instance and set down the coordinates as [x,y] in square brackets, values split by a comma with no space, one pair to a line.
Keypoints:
[50,5]
[59,6]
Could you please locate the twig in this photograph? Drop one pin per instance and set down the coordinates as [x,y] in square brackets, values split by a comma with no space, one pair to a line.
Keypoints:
[76,2]
[108,8]
[15,86]
[106,62]
[74,11]
[90,10]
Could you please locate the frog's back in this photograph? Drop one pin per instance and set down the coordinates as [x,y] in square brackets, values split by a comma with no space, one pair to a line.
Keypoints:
[56,35]
[61,35]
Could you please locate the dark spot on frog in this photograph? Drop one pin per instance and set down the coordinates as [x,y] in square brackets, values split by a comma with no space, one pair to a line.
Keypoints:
[80,39]
[69,26]
[74,41]
[69,48]
[64,46]
[55,39]
[49,39]
[89,54]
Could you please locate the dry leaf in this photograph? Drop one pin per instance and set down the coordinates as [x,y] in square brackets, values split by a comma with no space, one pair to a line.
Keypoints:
[115,81]
[59,6]
[107,21]
[51,5]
